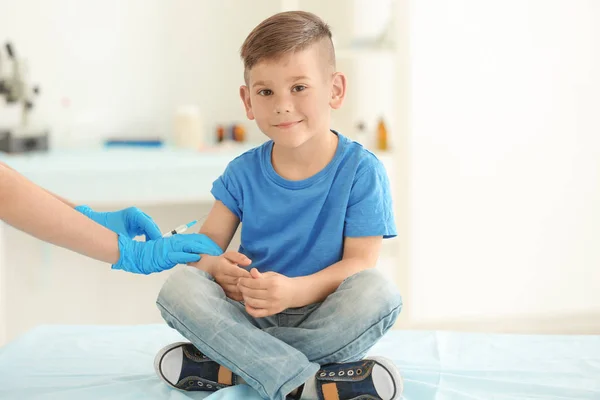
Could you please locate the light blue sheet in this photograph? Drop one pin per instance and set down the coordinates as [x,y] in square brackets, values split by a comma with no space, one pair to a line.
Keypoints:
[87,362]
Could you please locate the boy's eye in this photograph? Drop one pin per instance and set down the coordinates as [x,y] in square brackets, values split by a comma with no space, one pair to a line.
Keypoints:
[265,92]
[298,88]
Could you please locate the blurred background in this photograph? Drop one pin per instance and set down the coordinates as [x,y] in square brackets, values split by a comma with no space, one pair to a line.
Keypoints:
[484,112]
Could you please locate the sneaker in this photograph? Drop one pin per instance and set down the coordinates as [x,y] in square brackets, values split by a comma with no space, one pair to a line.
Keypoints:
[374,378]
[182,366]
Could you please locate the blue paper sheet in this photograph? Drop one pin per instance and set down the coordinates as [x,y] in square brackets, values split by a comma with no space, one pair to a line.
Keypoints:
[105,362]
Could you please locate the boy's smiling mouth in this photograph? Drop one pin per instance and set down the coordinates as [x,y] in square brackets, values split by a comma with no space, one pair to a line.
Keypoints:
[286,125]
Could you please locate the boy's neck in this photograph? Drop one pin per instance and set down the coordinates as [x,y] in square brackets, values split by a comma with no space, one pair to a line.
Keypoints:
[307,160]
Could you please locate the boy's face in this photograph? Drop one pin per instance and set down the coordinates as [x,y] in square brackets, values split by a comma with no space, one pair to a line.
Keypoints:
[290,97]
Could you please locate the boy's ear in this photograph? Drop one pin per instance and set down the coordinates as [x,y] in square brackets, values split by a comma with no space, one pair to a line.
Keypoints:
[338,90]
[245,96]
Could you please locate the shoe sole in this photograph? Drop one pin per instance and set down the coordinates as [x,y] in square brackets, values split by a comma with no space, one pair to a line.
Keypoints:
[392,369]
[158,360]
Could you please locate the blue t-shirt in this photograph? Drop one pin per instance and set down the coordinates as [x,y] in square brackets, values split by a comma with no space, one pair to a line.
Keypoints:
[297,228]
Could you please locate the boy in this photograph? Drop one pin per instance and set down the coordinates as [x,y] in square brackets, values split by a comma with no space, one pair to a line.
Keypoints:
[314,208]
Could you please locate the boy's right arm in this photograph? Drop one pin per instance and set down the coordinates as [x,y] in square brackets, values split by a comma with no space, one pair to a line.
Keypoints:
[220,226]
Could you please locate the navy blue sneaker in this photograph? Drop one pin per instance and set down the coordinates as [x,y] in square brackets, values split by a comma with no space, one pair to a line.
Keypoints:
[182,366]
[374,378]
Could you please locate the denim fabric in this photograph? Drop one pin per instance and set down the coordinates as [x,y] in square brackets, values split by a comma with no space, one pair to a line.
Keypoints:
[276,354]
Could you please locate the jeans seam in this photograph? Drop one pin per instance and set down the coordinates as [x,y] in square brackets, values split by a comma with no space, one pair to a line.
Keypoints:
[351,277]
[364,332]
[236,365]
[207,345]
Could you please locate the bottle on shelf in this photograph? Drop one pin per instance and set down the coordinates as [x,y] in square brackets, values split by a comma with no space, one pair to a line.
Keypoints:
[382,136]
[220,133]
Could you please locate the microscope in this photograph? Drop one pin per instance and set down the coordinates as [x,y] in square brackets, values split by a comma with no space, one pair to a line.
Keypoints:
[24,137]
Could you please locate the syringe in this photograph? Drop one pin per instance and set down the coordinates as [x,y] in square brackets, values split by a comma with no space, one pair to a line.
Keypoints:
[180,229]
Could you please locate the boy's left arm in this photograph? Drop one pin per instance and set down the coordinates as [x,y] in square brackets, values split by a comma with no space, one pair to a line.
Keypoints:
[360,253]
[270,293]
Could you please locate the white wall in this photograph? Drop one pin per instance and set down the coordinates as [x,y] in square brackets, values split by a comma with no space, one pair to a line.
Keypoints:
[504,164]
[126,66]
[503,152]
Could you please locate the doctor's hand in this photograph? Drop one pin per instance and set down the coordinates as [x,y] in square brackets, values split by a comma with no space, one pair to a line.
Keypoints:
[164,253]
[267,293]
[131,222]
[227,269]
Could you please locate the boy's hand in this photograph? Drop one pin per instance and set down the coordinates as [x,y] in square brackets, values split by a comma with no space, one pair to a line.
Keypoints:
[267,294]
[226,269]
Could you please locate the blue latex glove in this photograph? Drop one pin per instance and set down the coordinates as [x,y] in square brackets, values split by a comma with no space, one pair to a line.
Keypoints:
[164,253]
[131,221]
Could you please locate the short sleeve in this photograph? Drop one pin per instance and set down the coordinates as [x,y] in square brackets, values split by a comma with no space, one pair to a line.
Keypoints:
[370,210]
[228,192]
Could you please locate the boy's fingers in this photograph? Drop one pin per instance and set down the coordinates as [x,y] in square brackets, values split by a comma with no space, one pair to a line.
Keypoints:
[237,258]
[257,312]
[235,271]
[231,277]
[231,291]
[256,303]
[255,274]
[234,296]
[254,293]
[252,283]
[231,288]
[229,280]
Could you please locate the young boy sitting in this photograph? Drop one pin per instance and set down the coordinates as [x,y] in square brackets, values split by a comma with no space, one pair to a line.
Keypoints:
[294,312]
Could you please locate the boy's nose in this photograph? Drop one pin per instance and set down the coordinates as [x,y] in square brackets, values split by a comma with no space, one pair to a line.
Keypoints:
[283,106]
[282,109]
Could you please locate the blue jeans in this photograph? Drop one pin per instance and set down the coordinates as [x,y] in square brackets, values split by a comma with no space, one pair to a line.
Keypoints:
[277,354]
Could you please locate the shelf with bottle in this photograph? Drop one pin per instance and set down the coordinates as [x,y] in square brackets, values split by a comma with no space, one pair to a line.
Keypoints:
[376,140]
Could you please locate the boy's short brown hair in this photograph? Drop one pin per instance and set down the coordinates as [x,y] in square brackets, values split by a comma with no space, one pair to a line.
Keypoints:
[283,33]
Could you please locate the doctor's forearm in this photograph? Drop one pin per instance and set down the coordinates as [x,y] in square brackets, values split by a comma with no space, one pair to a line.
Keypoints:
[67,202]
[31,209]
